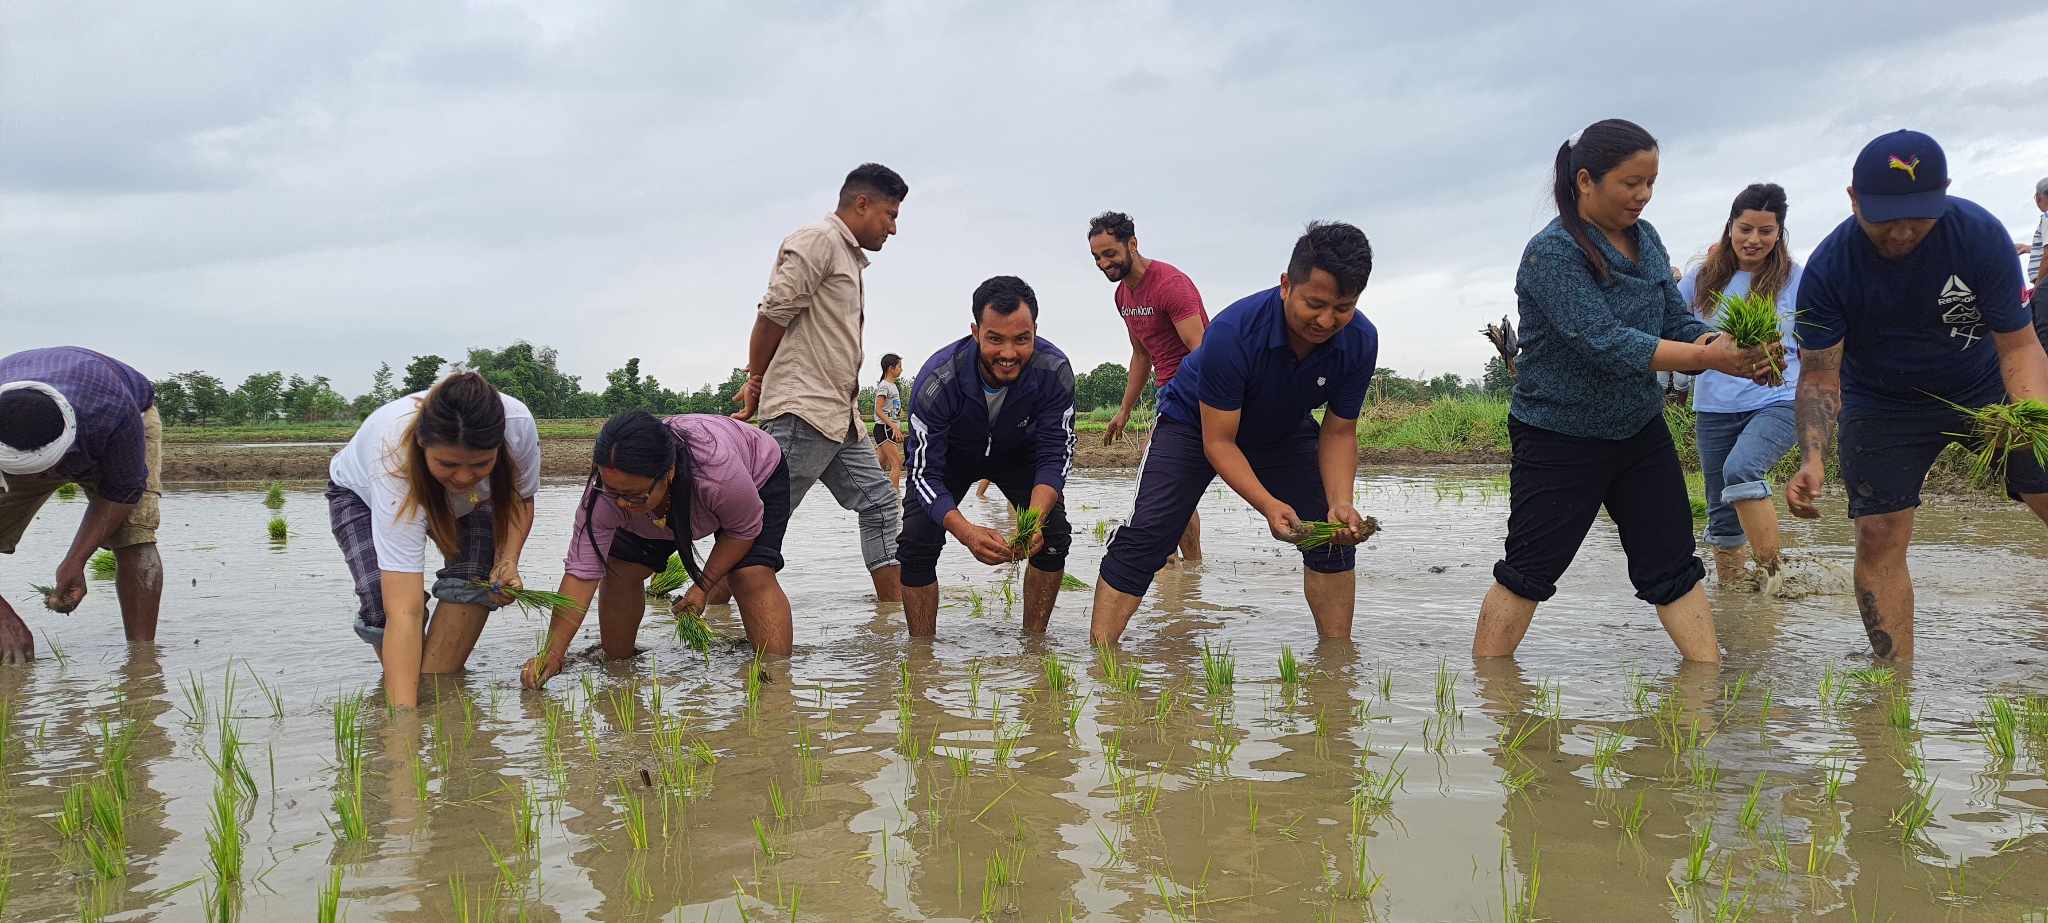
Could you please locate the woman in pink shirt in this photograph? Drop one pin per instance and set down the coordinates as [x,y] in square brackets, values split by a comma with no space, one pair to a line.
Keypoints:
[651,479]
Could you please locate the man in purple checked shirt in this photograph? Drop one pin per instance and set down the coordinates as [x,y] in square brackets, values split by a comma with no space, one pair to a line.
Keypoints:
[71,415]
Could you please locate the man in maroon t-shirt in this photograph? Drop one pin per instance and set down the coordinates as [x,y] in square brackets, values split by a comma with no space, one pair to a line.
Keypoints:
[1163,312]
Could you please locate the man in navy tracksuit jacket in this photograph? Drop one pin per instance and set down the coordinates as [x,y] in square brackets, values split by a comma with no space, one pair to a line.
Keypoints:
[998,404]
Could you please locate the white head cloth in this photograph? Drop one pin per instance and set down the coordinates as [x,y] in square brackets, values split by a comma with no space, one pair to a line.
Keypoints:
[24,462]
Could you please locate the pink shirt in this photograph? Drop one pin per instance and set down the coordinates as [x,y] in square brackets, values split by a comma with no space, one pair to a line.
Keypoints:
[1165,296]
[730,461]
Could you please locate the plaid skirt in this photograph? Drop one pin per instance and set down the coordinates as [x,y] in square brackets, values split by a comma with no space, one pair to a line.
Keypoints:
[476,548]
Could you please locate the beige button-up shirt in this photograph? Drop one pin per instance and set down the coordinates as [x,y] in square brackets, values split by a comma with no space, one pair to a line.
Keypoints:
[815,294]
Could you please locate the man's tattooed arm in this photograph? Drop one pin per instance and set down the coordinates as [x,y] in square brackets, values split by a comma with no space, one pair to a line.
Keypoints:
[1819,401]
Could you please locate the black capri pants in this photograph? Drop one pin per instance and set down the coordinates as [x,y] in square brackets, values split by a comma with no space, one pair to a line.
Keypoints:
[917,549]
[1557,484]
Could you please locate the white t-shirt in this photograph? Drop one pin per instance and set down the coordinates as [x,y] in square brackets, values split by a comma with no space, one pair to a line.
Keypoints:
[2034,255]
[372,466]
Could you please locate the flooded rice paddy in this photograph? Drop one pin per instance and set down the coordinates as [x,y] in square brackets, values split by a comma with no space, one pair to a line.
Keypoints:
[988,776]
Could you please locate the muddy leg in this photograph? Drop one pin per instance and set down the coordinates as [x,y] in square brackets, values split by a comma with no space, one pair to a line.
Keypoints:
[1690,623]
[451,636]
[17,645]
[621,604]
[764,610]
[1110,613]
[1884,587]
[1041,591]
[2038,503]
[921,609]
[1503,619]
[1331,600]
[1731,565]
[1760,526]
[139,584]
[1191,539]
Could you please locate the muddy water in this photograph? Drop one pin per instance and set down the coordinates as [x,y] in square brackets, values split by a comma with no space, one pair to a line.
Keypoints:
[892,780]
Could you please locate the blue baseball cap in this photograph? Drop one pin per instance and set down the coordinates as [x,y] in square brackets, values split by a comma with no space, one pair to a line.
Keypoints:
[1899,175]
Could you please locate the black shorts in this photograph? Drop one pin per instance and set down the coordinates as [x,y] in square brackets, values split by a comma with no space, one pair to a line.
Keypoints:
[767,551]
[879,433]
[1174,475]
[1556,486]
[918,547]
[1886,453]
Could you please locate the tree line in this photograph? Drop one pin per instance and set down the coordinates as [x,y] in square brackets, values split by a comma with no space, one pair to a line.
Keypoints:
[533,375]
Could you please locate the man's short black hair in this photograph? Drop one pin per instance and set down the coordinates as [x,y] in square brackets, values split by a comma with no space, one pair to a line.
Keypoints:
[1002,294]
[1115,224]
[1336,248]
[874,181]
[29,419]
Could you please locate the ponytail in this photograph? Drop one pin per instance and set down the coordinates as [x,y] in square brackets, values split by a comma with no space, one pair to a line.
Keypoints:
[1601,147]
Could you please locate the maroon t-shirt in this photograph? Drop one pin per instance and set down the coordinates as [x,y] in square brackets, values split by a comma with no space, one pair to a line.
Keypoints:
[1166,295]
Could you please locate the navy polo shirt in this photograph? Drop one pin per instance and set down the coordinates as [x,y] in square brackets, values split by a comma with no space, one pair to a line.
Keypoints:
[1919,328]
[1245,364]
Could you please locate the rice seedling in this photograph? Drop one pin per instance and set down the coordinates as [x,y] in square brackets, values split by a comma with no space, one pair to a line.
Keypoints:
[224,835]
[1833,771]
[530,602]
[6,730]
[1752,319]
[1763,712]
[1027,528]
[1898,711]
[755,676]
[1999,728]
[1518,892]
[1778,851]
[1290,669]
[1072,716]
[1704,773]
[695,633]
[625,709]
[1057,678]
[776,802]
[1364,881]
[273,495]
[1219,670]
[761,839]
[1446,688]
[1697,865]
[1752,814]
[279,530]
[1607,746]
[1917,813]
[67,491]
[1999,430]
[6,880]
[1819,853]
[673,577]
[1116,674]
[1071,582]
[526,818]
[1373,795]
[1632,817]
[1512,741]
[328,909]
[636,817]
[103,565]
[1874,677]
[48,593]
[1386,683]
[977,604]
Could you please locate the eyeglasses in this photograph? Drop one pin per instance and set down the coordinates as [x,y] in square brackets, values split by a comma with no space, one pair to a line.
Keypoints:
[639,499]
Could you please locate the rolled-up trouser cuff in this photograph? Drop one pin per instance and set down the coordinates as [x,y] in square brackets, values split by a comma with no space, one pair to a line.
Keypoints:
[1670,588]
[1727,541]
[1747,490]
[1520,585]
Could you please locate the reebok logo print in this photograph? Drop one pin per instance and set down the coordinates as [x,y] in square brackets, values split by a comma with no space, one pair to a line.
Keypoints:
[1959,310]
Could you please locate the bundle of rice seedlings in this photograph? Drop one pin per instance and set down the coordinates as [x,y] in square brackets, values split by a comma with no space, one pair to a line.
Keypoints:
[49,594]
[1027,526]
[1071,582]
[67,491]
[1320,532]
[671,579]
[273,496]
[279,530]
[697,634]
[102,564]
[2000,430]
[544,602]
[1752,319]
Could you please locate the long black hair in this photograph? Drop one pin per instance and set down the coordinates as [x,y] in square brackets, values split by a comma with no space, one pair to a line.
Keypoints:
[641,444]
[465,411]
[1721,264]
[1598,149]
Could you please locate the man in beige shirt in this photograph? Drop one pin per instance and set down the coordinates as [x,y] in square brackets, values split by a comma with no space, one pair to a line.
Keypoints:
[804,363]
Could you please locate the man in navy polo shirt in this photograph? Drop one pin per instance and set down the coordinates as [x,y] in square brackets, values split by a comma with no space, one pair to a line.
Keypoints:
[997,404]
[1240,407]
[1909,306]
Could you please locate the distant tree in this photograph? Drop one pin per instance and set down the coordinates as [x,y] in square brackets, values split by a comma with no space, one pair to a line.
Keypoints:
[383,390]
[1497,381]
[532,375]
[172,403]
[1102,386]
[1445,385]
[206,399]
[1389,386]
[306,400]
[259,399]
[422,372]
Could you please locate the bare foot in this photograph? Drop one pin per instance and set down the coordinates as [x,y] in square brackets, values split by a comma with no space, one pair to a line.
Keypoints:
[17,645]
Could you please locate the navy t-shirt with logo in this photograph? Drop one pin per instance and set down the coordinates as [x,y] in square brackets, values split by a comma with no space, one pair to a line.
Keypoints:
[1245,364]
[1919,328]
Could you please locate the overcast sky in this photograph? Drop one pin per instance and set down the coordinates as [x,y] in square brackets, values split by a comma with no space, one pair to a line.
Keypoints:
[319,186]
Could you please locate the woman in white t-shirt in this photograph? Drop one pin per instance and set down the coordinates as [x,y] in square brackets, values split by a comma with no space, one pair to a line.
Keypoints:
[458,464]
[888,429]
[1745,428]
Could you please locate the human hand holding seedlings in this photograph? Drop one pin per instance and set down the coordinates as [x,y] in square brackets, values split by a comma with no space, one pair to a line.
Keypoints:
[692,601]
[987,545]
[540,669]
[70,589]
[504,577]
[1283,523]
[1356,528]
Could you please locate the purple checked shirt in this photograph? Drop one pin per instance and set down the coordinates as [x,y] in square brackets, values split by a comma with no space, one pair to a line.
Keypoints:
[108,396]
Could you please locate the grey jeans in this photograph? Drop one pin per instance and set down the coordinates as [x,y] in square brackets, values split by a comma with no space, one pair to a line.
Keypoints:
[849,469]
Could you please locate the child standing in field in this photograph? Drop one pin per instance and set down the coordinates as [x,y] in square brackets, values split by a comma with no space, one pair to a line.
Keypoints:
[655,487]
[458,464]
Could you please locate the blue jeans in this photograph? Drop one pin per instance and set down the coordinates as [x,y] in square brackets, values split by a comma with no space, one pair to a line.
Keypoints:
[1737,451]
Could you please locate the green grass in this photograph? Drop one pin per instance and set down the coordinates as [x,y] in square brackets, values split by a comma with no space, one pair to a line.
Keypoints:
[1445,426]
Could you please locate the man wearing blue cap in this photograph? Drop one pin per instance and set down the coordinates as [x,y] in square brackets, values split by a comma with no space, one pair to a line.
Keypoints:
[1907,310]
